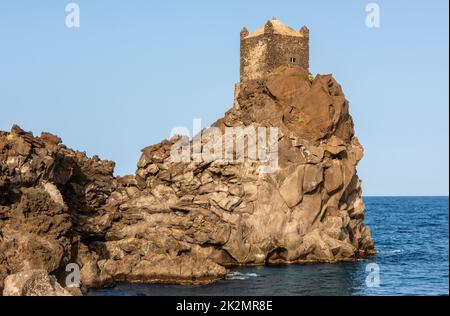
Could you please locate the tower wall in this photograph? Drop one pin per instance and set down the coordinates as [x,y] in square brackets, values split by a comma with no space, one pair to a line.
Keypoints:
[282,48]
[263,53]
[254,52]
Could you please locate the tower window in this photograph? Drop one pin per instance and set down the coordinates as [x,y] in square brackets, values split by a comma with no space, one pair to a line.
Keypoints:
[292,60]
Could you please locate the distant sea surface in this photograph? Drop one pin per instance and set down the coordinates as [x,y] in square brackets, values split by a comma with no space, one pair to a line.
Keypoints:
[411,238]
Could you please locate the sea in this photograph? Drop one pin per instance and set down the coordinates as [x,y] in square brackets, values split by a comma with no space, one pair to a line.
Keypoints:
[412,242]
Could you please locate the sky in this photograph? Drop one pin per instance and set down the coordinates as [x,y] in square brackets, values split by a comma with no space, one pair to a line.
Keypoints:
[134,70]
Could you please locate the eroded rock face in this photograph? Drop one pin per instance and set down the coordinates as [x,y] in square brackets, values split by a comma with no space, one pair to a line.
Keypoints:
[188,222]
[227,213]
[51,200]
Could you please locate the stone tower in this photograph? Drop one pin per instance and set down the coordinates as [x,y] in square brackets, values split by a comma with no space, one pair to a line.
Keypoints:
[273,44]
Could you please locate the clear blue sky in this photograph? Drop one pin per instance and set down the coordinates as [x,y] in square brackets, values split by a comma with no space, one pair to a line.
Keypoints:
[136,69]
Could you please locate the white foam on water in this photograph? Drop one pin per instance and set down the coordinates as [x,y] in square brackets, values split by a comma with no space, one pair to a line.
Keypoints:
[393,251]
[235,275]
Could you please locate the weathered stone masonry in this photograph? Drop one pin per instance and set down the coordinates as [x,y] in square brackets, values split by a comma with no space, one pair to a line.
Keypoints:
[272,45]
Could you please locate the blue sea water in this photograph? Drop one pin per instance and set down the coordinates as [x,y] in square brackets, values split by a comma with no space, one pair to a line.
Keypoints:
[412,240]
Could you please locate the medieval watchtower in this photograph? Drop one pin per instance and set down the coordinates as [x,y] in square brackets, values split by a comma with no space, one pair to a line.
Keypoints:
[273,44]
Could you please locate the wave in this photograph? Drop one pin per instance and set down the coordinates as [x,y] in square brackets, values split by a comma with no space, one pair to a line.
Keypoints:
[235,275]
[392,251]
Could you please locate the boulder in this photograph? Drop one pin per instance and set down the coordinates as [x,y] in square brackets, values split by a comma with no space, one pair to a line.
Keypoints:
[313,177]
[333,177]
[33,283]
[292,187]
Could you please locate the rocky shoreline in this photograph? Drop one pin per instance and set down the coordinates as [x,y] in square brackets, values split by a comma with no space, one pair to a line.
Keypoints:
[176,222]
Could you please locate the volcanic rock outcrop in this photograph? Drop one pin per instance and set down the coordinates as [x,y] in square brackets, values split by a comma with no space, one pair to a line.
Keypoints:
[187,222]
[51,202]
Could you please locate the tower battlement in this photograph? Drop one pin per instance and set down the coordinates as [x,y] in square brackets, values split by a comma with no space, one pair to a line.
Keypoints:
[272,45]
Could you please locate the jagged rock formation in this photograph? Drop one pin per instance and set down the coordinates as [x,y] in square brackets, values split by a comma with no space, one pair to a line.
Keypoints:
[188,222]
[51,201]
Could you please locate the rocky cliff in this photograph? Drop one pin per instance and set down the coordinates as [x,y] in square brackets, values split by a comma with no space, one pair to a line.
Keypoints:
[187,222]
